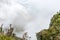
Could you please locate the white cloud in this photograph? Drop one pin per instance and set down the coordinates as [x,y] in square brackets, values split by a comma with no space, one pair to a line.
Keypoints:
[40,10]
[13,13]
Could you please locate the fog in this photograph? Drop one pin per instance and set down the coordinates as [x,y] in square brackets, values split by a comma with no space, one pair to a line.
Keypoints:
[13,13]
[29,16]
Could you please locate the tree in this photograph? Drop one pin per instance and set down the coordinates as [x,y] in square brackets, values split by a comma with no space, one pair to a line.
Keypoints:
[9,35]
[53,32]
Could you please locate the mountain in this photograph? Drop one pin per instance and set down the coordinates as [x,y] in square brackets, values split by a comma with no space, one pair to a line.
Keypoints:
[53,32]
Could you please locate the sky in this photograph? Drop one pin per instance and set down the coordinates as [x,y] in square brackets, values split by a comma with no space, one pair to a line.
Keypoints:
[42,11]
[31,16]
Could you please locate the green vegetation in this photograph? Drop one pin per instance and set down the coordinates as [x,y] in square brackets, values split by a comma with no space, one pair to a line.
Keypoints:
[53,32]
[9,35]
[4,37]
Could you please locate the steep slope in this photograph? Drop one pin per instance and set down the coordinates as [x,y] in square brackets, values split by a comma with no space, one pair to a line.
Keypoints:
[53,32]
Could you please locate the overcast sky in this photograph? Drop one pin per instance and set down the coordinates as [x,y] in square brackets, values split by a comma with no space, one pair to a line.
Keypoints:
[42,11]
[34,15]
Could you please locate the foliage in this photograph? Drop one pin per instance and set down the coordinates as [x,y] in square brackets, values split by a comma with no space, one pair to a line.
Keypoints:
[4,37]
[53,32]
[9,35]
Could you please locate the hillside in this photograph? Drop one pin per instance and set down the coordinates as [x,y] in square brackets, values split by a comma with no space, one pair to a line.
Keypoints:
[53,32]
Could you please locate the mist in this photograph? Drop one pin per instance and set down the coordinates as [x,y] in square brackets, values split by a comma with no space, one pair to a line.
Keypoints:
[13,13]
[29,16]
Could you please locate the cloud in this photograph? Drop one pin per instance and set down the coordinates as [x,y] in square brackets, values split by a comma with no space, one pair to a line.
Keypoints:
[12,11]
[42,11]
